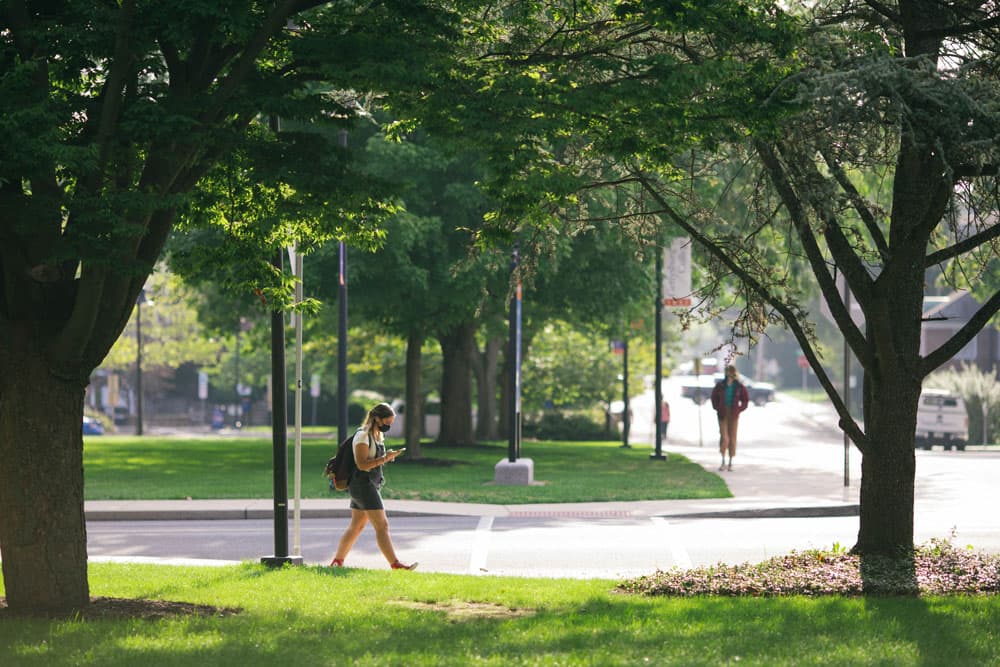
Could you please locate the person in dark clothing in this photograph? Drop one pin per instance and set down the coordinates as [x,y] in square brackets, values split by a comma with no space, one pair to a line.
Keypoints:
[729,398]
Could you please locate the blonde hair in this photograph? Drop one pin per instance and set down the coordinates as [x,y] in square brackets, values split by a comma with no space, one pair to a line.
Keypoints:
[380,411]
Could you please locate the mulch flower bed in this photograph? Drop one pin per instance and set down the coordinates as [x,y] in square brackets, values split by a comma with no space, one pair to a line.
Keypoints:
[935,568]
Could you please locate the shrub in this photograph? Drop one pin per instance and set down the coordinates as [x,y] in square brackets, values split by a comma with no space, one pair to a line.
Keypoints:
[553,425]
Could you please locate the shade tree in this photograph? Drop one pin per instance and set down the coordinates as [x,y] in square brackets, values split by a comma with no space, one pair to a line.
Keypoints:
[114,114]
[809,104]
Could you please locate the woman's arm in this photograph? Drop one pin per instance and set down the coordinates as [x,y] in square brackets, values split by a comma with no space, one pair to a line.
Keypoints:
[364,463]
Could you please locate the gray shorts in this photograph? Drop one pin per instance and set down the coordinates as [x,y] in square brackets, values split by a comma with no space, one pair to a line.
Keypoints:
[365,494]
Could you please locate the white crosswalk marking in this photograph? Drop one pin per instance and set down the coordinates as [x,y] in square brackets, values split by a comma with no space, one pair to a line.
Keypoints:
[677,550]
[481,545]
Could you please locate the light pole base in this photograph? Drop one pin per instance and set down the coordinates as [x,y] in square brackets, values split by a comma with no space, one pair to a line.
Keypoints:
[279,561]
[512,473]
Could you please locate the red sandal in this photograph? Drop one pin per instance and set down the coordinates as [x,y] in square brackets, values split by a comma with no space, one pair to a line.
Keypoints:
[400,566]
[337,562]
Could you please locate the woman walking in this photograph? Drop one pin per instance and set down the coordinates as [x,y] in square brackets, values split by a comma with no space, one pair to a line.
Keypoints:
[365,487]
[729,398]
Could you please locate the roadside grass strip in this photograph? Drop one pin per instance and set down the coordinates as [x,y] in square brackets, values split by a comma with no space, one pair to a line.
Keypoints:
[248,615]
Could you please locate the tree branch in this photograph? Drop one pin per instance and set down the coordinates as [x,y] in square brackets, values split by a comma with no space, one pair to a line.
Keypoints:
[859,284]
[884,9]
[960,30]
[247,59]
[961,338]
[111,93]
[967,171]
[859,205]
[963,246]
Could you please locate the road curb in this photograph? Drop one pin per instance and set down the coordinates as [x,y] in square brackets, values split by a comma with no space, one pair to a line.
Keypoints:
[772,513]
[232,514]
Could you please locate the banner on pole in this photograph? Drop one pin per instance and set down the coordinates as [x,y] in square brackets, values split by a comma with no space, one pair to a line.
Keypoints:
[202,385]
[677,273]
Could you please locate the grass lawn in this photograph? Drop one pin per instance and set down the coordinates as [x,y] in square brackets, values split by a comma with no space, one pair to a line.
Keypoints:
[316,616]
[130,468]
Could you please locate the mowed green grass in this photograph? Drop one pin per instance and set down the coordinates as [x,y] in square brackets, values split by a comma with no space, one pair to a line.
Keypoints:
[131,468]
[316,616]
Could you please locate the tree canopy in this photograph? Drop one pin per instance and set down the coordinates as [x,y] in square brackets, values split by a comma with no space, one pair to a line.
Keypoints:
[753,128]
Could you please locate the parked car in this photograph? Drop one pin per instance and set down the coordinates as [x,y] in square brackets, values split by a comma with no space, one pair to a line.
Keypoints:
[699,389]
[941,420]
[92,426]
[760,392]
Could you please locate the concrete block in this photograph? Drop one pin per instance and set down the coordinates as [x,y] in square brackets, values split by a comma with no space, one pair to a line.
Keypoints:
[520,472]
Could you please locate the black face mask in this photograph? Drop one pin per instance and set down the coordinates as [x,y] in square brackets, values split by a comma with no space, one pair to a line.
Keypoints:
[384,427]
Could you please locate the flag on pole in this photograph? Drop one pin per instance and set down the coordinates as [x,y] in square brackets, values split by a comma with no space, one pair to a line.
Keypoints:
[677,273]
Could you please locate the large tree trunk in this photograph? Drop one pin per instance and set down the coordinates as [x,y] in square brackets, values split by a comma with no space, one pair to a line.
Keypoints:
[457,347]
[888,469]
[414,419]
[486,385]
[892,393]
[43,537]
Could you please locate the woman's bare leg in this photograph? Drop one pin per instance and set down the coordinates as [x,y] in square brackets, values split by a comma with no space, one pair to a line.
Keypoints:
[731,428]
[380,523]
[359,518]
[723,439]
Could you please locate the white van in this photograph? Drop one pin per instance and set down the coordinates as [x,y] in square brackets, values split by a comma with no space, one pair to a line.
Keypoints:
[941,420]
[432,420]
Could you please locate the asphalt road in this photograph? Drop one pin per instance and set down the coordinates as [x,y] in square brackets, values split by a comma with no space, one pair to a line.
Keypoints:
[789,456]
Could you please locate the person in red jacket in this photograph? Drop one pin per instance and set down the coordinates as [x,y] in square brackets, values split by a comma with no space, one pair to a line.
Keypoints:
[664,418]
[729,398]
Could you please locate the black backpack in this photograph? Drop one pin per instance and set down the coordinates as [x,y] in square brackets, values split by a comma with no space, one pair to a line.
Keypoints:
[341,465]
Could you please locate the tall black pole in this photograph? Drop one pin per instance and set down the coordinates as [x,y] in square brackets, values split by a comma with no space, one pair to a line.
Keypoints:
[342,425]
[138,361]
[236,362]
[626,420]
[279,425]
[514,324]
[658,372]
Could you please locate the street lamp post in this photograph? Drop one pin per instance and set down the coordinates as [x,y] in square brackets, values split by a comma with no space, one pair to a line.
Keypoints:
[342,423]
[140,300]
[279,422]
[626,419]
[514,323]
[658,454]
